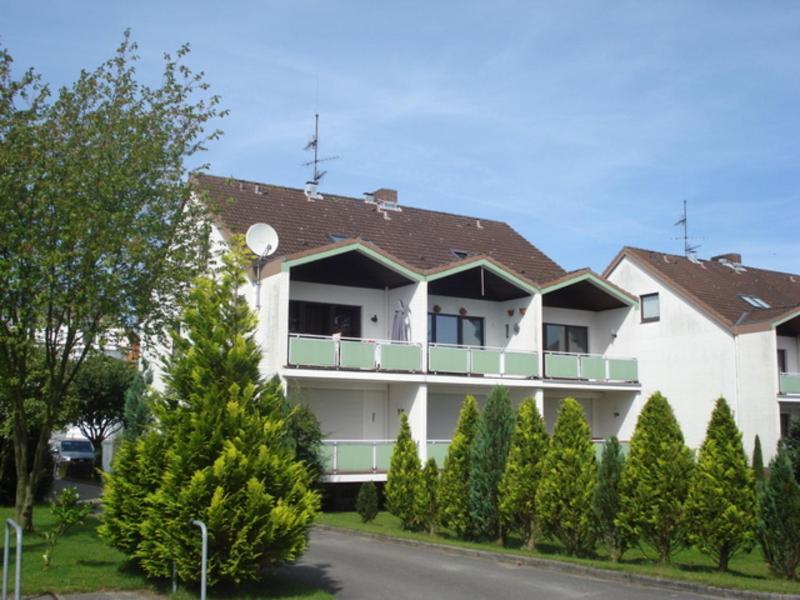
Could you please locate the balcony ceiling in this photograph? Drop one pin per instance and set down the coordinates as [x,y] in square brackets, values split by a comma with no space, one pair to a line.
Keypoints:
[467,284]
[352,269]
[789,328]
[582,295]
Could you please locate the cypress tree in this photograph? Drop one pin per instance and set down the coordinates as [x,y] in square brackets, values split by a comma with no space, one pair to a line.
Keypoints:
[367,502]
[779,525]
[137,415]
[606,500]
[403,479]
[454,482]
[426,497]
[564,496]
[655,480]
[229,460]
[792,443]
[523,472]
[487,463]
[758,461]
[720,508]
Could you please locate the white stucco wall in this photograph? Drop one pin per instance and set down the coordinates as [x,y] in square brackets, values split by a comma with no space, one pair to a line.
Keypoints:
[608,413]
[685,355]
[757,376]
[602,325]
[411,399]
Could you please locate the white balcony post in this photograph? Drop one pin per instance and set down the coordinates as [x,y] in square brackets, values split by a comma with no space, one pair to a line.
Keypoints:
[418,420]
[538,396]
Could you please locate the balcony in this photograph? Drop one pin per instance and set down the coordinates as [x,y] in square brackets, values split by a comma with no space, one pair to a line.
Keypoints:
[357,456]
[590,367]
[482,360]
[789,383]
[333,352]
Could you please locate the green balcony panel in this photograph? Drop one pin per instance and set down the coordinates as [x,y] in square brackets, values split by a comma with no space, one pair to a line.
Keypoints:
[354,457]
[326,455]
[523,364]
[625,447]
[438,452]
[384,455]
[561,366]
[623,369]
[357,355]
[790,383]
[486,361]
[309,352]
[593,367]
[401,357]
[448,360]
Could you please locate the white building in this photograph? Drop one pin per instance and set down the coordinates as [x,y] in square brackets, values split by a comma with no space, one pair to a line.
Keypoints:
[370,309]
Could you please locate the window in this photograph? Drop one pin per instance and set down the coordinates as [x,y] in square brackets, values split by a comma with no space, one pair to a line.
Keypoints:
[461,254]
[318,318]
[651,308]
[336,237]
[456,330]
[782,361]
[566,338]
[754,301]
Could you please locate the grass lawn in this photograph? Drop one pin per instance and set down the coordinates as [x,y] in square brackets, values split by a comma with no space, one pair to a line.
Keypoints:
[84,563]
[746,571]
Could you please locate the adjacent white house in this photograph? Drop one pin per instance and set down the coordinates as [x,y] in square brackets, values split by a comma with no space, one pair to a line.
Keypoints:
[370,309]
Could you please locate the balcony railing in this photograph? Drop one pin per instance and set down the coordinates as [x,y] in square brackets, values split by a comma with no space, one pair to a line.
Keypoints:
[591,367]
[790,383]
[482,360]
[357,456]
[334,352]
[438,449]
[600,443]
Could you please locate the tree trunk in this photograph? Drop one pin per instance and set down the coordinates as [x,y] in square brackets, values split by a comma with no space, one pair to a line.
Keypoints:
[530,543]
[722,565]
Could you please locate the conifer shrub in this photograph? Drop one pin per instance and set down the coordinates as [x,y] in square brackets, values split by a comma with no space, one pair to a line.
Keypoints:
[523,471]
[792,443]
[403,478]
[454,481]
[227,455]
[779,523]
[564,495]
[488,461]
[367,502]
[758,460]
[427,497]
[721,504]
[655,481]
[606,500]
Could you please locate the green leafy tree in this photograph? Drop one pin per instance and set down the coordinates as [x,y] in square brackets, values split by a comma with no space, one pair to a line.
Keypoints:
[403,478]
[230,460]
[758,460]
[721,504]
[454,482]
[100,389]
[98,232]
[779,523]
[67,511]
[564,495]
[606,500]
[488,462]
[655,480]
[367,502]
[523,472]
[136,415]
[792,443]
[427,492]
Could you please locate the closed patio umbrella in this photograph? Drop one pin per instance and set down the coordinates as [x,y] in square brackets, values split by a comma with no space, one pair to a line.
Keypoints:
[399,329]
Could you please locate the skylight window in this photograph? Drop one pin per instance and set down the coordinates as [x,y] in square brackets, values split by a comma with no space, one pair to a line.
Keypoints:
[336,237]
[461,254]
[754,301]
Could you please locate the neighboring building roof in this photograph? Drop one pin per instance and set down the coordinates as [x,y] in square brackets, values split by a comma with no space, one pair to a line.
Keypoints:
[423,239]
[718,288]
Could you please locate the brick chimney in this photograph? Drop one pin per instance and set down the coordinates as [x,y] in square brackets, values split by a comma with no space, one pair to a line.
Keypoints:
[386,195]
[733,257]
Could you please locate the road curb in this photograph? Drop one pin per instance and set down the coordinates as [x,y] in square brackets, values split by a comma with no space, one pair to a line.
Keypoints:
[572,568]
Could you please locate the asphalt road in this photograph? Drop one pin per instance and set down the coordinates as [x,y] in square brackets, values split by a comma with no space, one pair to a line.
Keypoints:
[360,568]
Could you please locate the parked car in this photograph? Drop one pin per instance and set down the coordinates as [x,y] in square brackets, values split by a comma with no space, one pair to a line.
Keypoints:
[74,457]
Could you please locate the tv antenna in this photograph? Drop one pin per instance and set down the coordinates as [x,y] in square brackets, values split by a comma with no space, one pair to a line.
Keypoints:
[688,249]
[314,145]
[262,240]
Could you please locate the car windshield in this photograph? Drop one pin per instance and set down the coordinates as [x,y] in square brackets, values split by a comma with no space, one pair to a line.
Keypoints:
[76,446]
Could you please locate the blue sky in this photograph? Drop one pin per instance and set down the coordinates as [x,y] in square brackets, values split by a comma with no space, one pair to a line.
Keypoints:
[583,124]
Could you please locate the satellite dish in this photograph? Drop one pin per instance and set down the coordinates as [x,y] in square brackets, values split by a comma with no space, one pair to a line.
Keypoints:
[262,239]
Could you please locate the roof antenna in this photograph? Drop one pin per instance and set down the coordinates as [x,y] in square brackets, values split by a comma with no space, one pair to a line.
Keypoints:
[689,251]
[317,175]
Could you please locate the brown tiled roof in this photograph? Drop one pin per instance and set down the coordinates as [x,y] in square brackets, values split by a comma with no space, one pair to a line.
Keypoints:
[421,238]
[717,289]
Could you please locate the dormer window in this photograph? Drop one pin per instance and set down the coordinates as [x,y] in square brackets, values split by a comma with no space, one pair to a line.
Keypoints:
[461,254]
[336,237]
[754,301]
